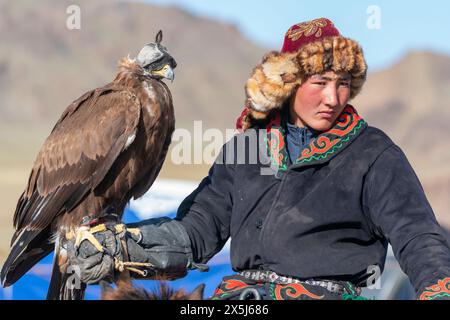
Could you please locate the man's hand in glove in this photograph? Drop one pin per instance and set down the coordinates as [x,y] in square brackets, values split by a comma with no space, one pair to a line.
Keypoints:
[95,265]
[156,248]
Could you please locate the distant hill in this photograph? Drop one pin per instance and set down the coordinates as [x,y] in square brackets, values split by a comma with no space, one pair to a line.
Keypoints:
[411,102]
[45,66]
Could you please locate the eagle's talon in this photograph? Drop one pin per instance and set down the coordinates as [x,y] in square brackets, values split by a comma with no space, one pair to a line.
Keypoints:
[85,234]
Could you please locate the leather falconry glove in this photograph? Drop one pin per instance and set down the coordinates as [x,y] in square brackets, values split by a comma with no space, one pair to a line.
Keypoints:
[157,248]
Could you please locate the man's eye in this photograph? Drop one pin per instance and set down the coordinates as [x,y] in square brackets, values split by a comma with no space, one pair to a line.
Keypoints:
[320,83]
[345,84]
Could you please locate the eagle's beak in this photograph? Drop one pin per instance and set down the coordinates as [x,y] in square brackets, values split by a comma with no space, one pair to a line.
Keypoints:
[165,72]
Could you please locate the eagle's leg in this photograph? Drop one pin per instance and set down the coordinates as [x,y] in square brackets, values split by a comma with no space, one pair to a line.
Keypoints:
[87,233]
[125,266]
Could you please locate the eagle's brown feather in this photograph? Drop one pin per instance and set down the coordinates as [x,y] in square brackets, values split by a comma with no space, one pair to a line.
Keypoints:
[79,152]
[107,147]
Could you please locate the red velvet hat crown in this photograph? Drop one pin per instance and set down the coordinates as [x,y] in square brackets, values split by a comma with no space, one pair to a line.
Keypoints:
[307,32]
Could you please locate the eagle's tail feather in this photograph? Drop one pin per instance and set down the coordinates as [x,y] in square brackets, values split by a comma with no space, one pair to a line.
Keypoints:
[65,283]
[61,287]
[53,292]
[28,249]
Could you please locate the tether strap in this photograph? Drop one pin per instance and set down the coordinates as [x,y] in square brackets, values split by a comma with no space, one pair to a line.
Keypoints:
[125,265]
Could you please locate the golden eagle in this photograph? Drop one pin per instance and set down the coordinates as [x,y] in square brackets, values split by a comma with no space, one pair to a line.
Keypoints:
[107,147]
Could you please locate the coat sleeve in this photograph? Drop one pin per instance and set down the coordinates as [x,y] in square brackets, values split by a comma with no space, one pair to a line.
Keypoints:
[206,212]
[401,213]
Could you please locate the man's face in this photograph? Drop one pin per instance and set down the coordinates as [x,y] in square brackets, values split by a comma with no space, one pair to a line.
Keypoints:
[320,100]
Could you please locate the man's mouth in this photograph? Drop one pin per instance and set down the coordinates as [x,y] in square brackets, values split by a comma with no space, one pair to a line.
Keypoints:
[326,114]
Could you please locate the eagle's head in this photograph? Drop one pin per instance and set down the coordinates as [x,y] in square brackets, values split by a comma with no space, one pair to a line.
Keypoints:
[156,61]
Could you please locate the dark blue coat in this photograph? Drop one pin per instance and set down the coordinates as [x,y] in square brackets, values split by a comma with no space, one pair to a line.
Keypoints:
[330,215]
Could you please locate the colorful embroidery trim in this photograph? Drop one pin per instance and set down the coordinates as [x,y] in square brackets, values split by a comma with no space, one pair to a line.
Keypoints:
[229,286]
[330,142]
[233,287]
[291,291]
[277,148]
[439,290]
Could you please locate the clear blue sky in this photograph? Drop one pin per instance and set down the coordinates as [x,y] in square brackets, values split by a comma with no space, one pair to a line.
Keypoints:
[405,25]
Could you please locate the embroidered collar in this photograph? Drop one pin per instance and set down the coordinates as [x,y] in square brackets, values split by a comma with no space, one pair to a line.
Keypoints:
[297,138]
[322,148]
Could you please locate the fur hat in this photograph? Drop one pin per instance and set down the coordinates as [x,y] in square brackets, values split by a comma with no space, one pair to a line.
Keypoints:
[309,48]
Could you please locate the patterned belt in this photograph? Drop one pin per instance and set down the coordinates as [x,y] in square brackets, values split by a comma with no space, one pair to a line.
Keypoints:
[270,276]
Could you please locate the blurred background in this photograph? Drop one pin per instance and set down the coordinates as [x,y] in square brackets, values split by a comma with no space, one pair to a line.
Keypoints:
[47,60]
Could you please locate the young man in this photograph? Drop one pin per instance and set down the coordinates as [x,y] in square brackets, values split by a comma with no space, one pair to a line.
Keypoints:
[314,218]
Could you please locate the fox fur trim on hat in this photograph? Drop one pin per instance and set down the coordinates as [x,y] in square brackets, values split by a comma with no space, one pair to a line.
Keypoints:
[276,78]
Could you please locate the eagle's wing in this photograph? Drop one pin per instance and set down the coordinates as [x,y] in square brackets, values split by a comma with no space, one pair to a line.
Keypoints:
[82,147]
[76,156]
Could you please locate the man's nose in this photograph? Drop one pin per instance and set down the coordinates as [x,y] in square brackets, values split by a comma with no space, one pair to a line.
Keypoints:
[331,96]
